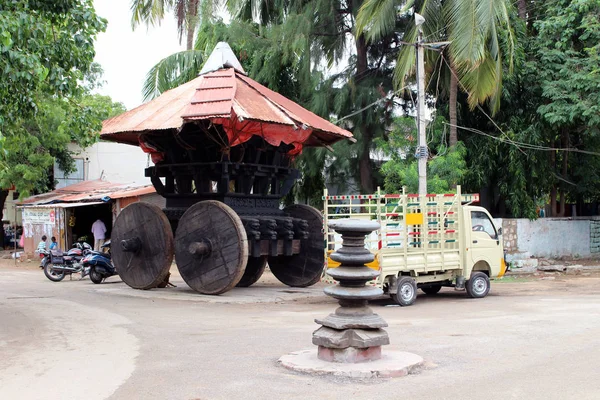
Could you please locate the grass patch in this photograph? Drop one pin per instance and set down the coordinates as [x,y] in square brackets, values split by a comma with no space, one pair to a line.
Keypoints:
[513,279]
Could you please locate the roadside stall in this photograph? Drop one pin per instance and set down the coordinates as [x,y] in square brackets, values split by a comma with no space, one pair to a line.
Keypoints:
[68,213]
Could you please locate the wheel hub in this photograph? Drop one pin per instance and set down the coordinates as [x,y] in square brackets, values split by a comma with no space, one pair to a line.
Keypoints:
[406,292]
[479,286]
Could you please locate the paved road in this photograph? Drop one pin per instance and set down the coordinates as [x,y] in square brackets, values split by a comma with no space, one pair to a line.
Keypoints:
[77,340]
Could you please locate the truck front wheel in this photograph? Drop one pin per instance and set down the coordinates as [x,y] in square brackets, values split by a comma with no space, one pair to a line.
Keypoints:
[406,291]
[478,286]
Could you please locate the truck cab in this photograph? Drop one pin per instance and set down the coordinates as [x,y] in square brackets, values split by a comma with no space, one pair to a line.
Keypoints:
[483,243]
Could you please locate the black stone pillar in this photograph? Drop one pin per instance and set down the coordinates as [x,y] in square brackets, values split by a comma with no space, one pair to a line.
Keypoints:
[353,333]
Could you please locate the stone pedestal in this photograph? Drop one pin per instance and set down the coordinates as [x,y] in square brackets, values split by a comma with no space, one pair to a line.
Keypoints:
[352,334]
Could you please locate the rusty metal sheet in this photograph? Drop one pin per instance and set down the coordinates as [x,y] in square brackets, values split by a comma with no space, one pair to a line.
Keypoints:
[225,93]
[89,191]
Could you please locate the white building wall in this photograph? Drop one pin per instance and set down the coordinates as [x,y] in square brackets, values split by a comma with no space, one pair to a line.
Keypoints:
[113,162]
[550,237]
[547,237]
[10,212]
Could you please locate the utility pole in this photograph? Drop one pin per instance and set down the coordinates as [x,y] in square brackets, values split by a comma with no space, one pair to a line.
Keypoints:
[422,152]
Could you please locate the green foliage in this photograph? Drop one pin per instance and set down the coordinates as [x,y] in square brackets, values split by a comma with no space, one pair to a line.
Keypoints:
[45,47]
[568,45]
[188,13]
[32,146]
[46,59]
[480,33]
[551,102]
[172,71]
[445,169]
[310,187]
[541,79]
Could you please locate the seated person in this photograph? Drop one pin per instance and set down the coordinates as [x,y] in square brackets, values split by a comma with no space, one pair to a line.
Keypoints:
[42,244]
[53,245]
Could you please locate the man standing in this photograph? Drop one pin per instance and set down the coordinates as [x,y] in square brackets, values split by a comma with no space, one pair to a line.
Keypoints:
[99,231]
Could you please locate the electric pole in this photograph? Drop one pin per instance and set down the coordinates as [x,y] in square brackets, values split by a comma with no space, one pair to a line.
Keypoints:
[422,152]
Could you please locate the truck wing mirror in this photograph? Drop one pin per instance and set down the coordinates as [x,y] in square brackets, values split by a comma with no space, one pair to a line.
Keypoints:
[499,231]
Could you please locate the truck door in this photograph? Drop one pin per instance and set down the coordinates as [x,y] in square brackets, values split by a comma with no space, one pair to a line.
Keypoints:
[485,243]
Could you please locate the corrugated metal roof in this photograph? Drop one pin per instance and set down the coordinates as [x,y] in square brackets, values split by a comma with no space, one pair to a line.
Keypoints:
[219,95]
[89,192]
[62,205]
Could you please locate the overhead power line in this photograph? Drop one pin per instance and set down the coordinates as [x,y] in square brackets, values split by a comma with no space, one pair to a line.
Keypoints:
[369,106]
[523,145]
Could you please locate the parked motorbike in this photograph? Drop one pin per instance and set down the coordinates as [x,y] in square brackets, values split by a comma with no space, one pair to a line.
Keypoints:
[100,264]
[57,265]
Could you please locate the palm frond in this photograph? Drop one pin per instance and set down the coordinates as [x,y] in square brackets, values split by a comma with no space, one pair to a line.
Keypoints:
[469,22]
[497,95]
[377,18]
[405,65]
[171,72]
[432,29]
[504,10]
[481,82]
[149,12]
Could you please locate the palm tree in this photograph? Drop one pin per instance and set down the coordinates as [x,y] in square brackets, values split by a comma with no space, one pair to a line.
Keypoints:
[481,41]
[152,12]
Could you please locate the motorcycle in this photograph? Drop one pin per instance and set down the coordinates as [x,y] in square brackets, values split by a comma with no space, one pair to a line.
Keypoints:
[99,264]
[57,265]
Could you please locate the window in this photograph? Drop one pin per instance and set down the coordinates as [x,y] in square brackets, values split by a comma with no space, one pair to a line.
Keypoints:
[78,175]
[481,223]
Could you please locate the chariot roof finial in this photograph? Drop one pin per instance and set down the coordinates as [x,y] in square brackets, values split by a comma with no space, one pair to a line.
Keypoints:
[222,57]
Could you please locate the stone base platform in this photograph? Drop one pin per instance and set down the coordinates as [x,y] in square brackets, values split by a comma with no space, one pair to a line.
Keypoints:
[392,364]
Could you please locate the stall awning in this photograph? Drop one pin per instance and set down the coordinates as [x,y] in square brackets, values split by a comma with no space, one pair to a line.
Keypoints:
[86,193]
[62,205]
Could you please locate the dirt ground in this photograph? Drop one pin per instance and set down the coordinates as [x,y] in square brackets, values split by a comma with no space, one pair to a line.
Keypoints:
[533,337]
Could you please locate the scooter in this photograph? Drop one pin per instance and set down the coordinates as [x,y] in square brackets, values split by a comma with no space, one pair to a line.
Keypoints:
[100,264]
[57,265]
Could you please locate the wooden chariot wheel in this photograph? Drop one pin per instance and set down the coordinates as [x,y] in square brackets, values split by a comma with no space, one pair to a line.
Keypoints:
[142,245]
[211,247]
[306,268]
[254,270]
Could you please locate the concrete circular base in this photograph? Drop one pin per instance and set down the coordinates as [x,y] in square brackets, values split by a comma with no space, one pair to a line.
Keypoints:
[393,364]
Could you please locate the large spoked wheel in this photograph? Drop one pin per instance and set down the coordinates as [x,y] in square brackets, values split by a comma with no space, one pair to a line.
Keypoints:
[254,270]
[211,247]
[478,286]
[142,245]
[406,291]
[54,276]
[306,268]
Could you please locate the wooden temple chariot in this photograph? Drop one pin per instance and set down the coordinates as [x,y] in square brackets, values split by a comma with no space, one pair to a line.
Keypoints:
[223,148]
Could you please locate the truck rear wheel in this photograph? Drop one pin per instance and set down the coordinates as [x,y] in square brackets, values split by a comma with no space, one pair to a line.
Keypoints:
[406,291]
[430,290]
[478,285]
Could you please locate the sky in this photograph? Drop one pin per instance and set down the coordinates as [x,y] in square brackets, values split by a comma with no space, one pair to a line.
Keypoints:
[125,55]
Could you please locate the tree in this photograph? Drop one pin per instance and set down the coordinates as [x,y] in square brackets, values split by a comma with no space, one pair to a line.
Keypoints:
[46,47]
[446,167]
[567,59]
[34,144]
[46,52]
[481,39]
[300,41]
[187,12]
[547,147]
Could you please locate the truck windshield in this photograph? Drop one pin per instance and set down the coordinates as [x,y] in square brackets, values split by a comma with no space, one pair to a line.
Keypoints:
[480,222]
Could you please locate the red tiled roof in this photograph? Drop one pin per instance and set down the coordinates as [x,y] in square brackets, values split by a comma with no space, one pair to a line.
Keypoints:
[89,191]
[231,99]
